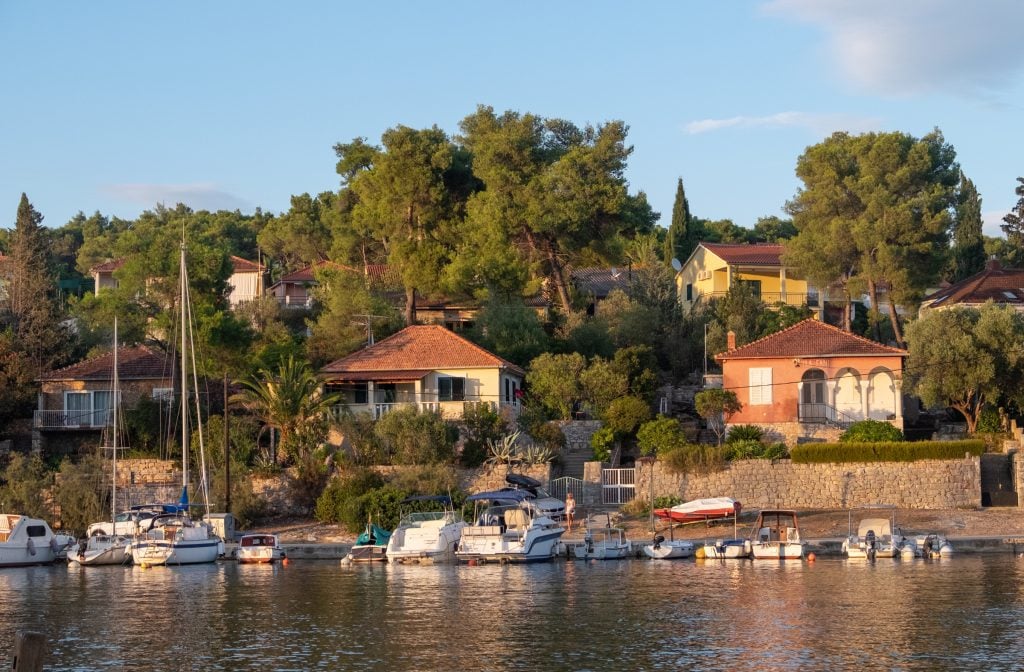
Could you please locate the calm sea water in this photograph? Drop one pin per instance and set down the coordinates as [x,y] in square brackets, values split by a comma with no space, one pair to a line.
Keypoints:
[959,613]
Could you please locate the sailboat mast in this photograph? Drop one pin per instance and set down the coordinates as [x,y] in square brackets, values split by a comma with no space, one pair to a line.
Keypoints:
[116,406]
[184,372]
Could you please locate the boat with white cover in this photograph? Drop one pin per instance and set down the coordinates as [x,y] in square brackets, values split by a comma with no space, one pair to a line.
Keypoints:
[26,541]
[426,536]
[699,510]
[777,536]
[257,549]
[507,529]
[603,542]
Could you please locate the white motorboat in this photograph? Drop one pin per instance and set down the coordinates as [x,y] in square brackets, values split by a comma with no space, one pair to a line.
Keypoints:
[507,529]
[777,536]
[174,538]
[26,541]
[669,549]
[426,536]
[101,549]
[926,546]
[727,549]
[876,537]
[259,549]
[603,542]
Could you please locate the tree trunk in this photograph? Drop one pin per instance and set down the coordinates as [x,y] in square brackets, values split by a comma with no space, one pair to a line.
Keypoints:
[410,306]
[875,314]
[847,304]
[897,331]
[558,278]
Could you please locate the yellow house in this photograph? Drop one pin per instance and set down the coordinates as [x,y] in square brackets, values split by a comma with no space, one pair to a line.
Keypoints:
[426,366]
[713,267]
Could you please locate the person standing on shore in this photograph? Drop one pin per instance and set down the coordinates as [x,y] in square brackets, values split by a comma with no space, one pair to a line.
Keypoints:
[570,508]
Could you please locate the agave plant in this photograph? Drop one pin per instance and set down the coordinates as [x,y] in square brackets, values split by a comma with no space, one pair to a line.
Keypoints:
[502,451]
[534,454]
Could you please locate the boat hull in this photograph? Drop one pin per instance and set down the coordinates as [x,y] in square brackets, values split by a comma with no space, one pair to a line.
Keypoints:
[368,554]
[154,552]
[729,549]
[418,545]
[101,551]
[482,544]
[670,550]
[777,551]
[261,556]
[602,552]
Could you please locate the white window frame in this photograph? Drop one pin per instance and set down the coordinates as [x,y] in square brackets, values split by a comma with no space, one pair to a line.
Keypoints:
[451,389]
[760,386]
[163,393]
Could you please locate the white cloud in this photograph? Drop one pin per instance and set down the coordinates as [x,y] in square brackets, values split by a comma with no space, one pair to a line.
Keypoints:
[992,221]
[200,196]
[820,124]
[904,47]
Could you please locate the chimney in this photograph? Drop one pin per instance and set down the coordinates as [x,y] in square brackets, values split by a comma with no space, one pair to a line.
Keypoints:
[730,340]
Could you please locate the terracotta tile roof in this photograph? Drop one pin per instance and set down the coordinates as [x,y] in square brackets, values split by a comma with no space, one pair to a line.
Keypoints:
[307,274]
[422,347]
[107,266]
[137,362]
[239,265]
[810,338]
[1001,285]
[759,254]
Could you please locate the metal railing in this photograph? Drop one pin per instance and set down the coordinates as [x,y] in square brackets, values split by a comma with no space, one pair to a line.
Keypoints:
[618,486]
[825,414]
[769,298]
[380,409]
[65,419]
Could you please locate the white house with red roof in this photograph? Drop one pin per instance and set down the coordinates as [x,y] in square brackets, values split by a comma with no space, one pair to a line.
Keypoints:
[427,366]
[712,269]
[103,275]
[813,375]
[247,281]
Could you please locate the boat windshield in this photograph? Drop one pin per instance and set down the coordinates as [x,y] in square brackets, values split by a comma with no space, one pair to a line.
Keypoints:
[417,518]
[495,514]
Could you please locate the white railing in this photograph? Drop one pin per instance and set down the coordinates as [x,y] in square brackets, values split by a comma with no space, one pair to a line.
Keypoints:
[64,419]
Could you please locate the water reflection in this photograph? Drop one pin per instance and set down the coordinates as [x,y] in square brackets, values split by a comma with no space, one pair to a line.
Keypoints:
[961,613]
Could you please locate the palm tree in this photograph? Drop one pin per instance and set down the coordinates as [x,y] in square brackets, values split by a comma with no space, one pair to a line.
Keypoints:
[290,401]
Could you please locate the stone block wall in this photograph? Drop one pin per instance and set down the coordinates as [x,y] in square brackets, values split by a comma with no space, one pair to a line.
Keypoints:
[925,484]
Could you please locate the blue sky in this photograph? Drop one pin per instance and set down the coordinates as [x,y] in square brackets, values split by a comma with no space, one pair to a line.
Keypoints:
[116,106]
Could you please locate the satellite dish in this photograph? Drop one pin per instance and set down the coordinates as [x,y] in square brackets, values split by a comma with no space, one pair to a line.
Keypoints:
[676,265]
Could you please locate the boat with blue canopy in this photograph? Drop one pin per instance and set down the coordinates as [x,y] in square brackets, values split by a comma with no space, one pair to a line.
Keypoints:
[507,529]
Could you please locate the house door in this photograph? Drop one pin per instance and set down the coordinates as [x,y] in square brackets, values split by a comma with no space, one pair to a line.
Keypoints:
[813,396]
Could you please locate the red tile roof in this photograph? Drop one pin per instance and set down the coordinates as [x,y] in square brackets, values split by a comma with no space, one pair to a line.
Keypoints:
[138,362]
[239,265]
[107,266]
[759,254]
[307,274]
[419,348]
[810,338]
[1001,285]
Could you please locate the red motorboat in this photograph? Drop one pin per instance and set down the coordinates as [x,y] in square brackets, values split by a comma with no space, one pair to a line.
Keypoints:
[700,510]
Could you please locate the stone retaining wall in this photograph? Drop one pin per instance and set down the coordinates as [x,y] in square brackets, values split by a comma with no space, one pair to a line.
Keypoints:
[925,484]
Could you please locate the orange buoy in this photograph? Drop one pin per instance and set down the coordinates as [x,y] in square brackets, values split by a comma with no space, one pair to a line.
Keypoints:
[284,561]
[811,557]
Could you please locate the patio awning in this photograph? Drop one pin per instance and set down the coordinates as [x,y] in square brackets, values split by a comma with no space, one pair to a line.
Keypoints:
[375,376]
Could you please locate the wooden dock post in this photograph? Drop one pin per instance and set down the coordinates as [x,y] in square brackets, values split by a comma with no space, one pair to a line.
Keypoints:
[29,649]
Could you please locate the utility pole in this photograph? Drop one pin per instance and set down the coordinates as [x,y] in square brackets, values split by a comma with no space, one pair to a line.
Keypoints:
[227,451]
[369,325]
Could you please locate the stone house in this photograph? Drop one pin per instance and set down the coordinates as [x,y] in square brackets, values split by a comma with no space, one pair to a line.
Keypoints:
[812,377]
[426,366]
[79,399]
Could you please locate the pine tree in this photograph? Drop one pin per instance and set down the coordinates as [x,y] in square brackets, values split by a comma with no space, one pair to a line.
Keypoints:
[1014,226]
[968,242]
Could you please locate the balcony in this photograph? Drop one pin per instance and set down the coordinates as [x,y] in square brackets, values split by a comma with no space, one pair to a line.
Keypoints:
[769,298]
[449,409]
[71,420]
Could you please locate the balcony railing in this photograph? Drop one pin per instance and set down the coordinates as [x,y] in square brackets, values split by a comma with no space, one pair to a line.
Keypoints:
[380,409]
[824,414]
[295,301]
[769,298]
[65,419]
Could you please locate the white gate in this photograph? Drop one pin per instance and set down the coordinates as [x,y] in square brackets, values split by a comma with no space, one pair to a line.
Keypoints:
[618,486]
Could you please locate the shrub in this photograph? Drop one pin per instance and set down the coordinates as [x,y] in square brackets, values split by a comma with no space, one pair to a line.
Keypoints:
[363,444]
[549,435]
[83,492]
[312,473]
[755,450]
[24,481]
[694,459]
[412,437]
[430,479]
[871,431]
[480,422]
[340,491]
[658,435]
[989,421]
[744,433]
[893,451]
[602,441]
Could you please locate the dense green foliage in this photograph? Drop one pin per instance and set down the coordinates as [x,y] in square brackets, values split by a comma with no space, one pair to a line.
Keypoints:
[968,248]
[894,451]
[410,436]
[871,431]
[744,433]
[716,406]
[1013,227]
[480,424]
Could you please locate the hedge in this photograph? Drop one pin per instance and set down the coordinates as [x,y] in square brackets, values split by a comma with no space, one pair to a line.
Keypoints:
[887,451]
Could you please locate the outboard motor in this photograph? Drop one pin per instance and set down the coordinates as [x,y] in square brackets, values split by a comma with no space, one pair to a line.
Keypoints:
[870,544]
[657,541]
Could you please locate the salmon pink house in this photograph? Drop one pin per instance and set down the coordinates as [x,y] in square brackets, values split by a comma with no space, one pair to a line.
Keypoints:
[812,380]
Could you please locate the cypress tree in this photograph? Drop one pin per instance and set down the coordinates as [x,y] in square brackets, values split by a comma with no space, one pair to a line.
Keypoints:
[968,243]
[681,238]
[1014,226]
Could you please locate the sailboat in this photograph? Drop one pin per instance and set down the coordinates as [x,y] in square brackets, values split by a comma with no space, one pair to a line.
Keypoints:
[174,538]
[104,549]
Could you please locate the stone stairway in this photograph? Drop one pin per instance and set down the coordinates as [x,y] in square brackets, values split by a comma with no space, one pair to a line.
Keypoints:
[573,461]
